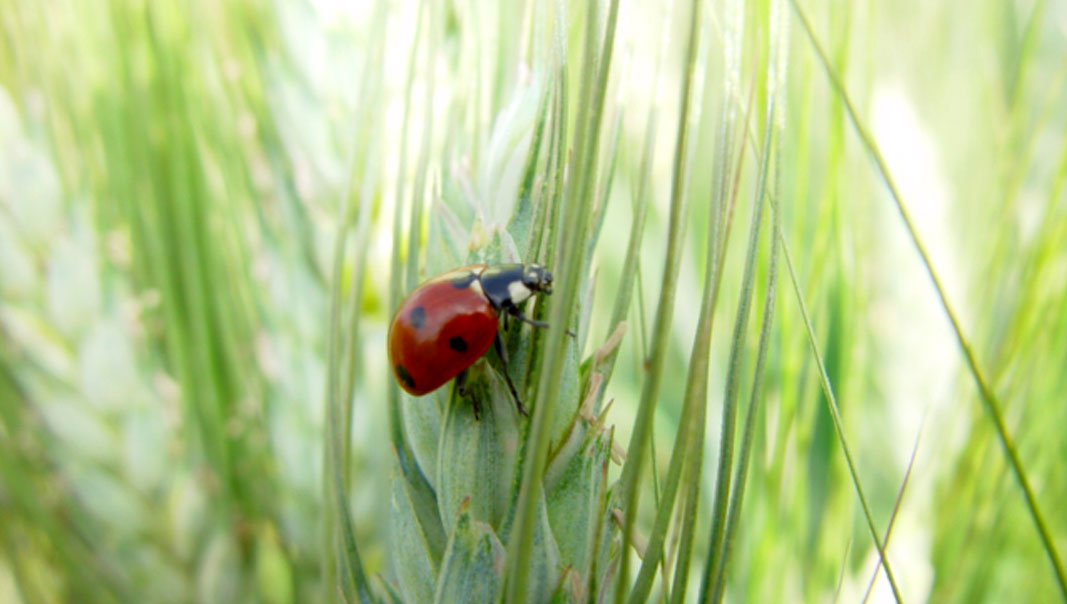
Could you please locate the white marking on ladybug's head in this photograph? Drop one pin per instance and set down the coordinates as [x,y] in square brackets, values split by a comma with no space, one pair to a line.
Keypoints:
[476,287]
[518,292]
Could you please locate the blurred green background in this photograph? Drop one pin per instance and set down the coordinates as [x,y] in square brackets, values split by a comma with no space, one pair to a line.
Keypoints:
[172,177]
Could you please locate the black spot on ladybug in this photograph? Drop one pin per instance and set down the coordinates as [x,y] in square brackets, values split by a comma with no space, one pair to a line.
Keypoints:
[463,281]
[405,376]
[418,317]
[458,344]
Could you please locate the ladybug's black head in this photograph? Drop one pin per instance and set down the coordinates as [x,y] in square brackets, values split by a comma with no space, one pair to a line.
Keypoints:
[537,278]
[509,285]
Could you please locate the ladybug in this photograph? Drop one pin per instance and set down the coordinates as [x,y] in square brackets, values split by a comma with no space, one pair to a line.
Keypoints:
[449,322]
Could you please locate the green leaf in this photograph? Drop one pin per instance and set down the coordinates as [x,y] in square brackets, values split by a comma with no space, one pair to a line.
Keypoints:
[478,456]
[523,216]
[413,558]
[422,425]
[543,555]
[574,502]
[472,569]
[450,234]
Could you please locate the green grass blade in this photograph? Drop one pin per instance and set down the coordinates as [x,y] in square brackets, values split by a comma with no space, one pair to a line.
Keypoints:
[737,496]
[418,191]
[558,157]
[637,449]
[340,400]
[896,508]
[733,376]
[988,397]
[543,248]
[774,124]
[726,192]
[841,575]
[355,300]
[832,401]
[575,231]
[519,550]
[633,248]
[695,396]
[527,223]
[602,192]
[414,562]
[348,567]
[835,415]
[630,265]
[347,561]
[343,564]
[687,451]
[354,583]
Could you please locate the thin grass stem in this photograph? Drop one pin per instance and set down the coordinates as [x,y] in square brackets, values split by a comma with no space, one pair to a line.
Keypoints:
[636,450]
[988,397]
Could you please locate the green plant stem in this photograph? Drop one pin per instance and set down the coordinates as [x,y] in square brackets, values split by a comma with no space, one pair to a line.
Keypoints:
[896,509]
[631,263]
[418,191]
[575,232]
[737,497]
[831,402]
[733,376]
[332,453]
[989,398]
[686,454]
[341,555]
[724,205]
[635,453]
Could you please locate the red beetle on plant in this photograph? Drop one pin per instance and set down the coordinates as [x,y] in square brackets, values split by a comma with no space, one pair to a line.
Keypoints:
[446,324]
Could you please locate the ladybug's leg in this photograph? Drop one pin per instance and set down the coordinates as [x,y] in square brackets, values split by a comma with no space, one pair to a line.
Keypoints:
[461,390]
[503,354]
[461,383]
[515,312]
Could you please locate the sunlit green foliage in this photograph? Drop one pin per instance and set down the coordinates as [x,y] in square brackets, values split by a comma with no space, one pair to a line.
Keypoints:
[812,254]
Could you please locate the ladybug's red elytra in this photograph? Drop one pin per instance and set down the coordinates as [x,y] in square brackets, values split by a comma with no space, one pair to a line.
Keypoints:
[446,324]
